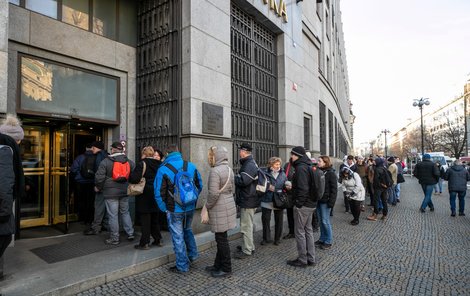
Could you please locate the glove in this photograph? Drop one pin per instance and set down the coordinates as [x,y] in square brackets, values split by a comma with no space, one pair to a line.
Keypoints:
[4,219]
[352,194]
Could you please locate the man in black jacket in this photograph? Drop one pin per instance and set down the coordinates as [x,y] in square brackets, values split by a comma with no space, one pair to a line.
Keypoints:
[304,205]
[428,174]
[247,199]
[457,177]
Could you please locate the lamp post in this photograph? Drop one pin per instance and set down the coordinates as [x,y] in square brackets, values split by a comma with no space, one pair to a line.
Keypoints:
[420,103]
[385,132]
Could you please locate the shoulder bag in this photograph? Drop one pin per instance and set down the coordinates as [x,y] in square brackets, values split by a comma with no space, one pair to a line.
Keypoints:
[138,189]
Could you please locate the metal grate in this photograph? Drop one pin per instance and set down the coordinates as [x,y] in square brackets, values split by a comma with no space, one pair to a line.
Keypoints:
[254,87]
[158,78]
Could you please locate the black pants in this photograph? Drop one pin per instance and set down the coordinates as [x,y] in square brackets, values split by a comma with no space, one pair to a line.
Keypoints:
[85,197]
[5,240]
[346,202]
[355,207]
[278,223]
[150,226]
[222,258]
[382,195]
[290,219]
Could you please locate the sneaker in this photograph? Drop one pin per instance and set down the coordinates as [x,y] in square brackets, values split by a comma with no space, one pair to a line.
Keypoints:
[422,210]
[453,214]
[356,222]
[111,241]
[296,263]
[241,255]
[220,274]
[288,236]
[142,247]
[431,209]
[90,232]
[318,243]
[130,237]
[239,248]
[325,246]
[461,214]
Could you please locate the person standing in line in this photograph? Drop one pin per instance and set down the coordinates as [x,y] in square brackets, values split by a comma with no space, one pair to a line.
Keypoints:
[221,208]
[393,169]
[145,203]
[172,174]
[354,191]
[400,178]
[428,174]
[289,171]
[327,201]
[457,177]
[98,223]
[370,180]
[277,179]
[114,190]
[380,190]
[349,163]
[304,205]
[438,186]
[361,170]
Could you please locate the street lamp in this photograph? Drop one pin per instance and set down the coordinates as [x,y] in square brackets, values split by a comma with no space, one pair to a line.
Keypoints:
[385,132]
[420,103]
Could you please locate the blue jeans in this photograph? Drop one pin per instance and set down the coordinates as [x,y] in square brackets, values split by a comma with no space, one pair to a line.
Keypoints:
[184,243]
[461,195]
[438,186]
[397,190]
[427,201]
[326,232]
[116,207]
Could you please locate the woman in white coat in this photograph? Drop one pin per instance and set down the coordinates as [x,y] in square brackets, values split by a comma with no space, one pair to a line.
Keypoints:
[354,192]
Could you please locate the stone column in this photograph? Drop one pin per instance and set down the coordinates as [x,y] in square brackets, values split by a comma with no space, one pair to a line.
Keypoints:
[3,55]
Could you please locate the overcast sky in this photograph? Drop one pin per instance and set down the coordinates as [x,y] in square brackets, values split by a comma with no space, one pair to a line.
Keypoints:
[402,50]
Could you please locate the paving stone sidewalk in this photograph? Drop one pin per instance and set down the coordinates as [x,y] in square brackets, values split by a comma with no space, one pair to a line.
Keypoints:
[411,253]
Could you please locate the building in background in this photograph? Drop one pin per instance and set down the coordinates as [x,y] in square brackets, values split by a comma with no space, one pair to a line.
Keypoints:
[196,73]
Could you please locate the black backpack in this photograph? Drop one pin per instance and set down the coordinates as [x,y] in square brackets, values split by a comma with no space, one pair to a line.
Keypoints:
[317,188]
[87,168]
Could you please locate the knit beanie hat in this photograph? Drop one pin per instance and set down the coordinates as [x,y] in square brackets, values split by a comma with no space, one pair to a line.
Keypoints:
[299,151]
[11,126]
[426,156]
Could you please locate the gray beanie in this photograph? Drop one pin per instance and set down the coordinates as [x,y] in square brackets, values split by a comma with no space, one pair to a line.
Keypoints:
[11,126]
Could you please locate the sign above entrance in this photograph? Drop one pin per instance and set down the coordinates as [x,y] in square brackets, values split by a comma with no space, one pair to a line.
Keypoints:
[279,7]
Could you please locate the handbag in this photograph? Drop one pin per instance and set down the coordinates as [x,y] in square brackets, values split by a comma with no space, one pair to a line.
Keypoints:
[137,189]
[280,200]
[400,179]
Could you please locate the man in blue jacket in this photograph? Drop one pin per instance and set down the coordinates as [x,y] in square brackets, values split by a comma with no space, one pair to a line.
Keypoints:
[179,217]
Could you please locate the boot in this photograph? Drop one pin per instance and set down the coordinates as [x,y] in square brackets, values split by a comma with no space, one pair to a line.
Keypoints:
[372,217]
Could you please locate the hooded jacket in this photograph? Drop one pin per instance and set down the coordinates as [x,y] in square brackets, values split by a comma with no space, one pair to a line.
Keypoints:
[427,172]
[302,182]
[104,177]
[220,201]
[353,186]
[245,182]
[331,187]
[145,203]
[458,177]
[379,174]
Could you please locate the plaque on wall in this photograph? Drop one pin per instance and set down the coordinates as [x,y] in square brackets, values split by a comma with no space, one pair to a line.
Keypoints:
[212,119]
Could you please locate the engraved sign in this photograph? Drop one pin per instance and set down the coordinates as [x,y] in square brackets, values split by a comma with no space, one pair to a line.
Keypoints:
[212,119]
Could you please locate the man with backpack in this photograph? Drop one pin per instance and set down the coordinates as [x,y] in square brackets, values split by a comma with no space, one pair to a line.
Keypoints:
[83,170]
[247,199]
[306,191]
[177,188]
[382,181]
[112,179]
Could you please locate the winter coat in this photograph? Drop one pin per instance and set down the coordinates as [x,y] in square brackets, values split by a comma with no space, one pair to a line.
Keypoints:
[379,175]
[392,168]
[245,183]
[221,204]
[331,187]
[353,186]
[458,177]
[104,177]
[427,172]
[19,190]
[277,182]
[7,187]
[302,182]
[76,167]
[163,184]
[145,202]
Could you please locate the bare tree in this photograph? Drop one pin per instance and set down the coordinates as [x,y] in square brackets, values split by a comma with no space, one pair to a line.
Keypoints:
[452,138]
[432,141]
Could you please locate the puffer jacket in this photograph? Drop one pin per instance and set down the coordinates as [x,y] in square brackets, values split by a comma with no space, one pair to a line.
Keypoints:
[245,183]
[302,182]
[145,203]
[104,177]
[277,182]
[7,186]
[331,187]
[353,186]
[458,177]
[427,172]
[220,203]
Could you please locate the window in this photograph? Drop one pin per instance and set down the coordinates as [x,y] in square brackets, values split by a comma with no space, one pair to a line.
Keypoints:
[59,90]
[331,134]
[307,132]
[322,128]
[46,7]
[76,13]
[127,22]
[17,2]
[104,18]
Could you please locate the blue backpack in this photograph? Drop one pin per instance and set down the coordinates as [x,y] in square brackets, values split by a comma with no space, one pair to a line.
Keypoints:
[184,190]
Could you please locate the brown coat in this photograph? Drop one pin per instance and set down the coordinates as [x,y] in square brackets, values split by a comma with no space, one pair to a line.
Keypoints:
[221,204]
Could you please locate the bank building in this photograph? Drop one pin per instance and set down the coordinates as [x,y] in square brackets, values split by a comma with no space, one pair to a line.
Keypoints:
[196,73]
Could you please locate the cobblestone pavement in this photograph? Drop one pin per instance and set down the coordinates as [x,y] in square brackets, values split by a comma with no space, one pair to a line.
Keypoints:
[411,253]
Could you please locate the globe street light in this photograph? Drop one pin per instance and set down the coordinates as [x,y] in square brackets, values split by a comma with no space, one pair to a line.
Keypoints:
[420,103]
[385,132]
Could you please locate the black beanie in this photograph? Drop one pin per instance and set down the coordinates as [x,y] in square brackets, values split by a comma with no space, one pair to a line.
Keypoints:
[299,151]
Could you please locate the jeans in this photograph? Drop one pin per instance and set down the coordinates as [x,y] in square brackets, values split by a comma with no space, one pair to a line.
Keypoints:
[184,243]
[150,226]
[398,190]
[222,258]
[461,195]
[304,234]
[427,201]
[438,186]
[278,224]
[100,210]
[326,232]
[116,207]
[392,198]
[380,197]
[246,229]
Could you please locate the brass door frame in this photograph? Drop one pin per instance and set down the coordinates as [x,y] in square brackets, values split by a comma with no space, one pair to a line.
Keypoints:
[57,171]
